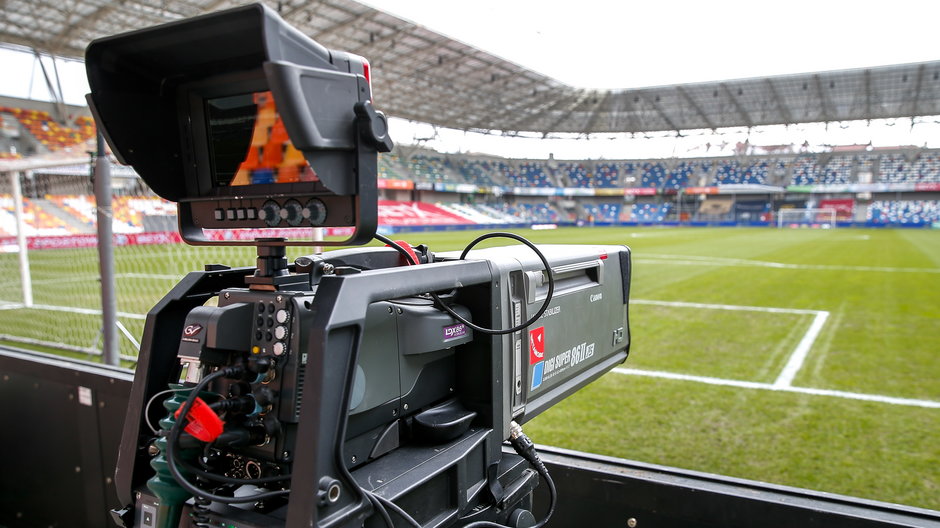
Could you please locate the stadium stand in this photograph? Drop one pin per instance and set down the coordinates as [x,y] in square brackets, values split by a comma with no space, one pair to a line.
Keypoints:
[865,167]
[530,174]
[607,175]
[473,213]
[816,170]
[430,169]
[753,173]
[679,176]
[602,175]
[82,208]
[49,133]
[53,208]
[506,172]
[924,169]
[910,212]
[500,212]
[538,212]
[390,168]
[628,170]
[603,212]
[38,219]
[650,213]
[576,174]
[476,172]
[653,176]
[528,213]
[129,212]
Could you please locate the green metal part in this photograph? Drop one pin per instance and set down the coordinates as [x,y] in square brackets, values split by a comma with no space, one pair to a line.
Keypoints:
[171,495]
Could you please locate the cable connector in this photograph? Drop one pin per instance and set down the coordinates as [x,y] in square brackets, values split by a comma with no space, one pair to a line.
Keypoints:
[233,371]
[526,449]
[521,443]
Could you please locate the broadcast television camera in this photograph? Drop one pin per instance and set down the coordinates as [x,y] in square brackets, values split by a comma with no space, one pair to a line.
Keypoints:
[355,387]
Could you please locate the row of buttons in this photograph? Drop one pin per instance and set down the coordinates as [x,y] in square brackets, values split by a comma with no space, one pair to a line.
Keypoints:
[241,213]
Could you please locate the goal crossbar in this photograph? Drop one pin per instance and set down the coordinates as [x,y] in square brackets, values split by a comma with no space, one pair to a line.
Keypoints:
[825,218]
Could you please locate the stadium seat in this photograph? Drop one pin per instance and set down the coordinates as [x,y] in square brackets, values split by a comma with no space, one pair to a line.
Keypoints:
[650,213]
[906,212]
[654,175]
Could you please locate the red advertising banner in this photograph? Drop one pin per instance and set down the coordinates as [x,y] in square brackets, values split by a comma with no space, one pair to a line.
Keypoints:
[416,213]
[700,190]
[844,208]
[405,185]
[8,244]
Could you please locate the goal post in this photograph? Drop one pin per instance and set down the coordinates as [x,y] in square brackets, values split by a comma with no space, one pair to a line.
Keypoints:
[817,218]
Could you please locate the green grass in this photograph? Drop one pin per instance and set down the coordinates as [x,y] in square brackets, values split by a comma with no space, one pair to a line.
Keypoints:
[882,337]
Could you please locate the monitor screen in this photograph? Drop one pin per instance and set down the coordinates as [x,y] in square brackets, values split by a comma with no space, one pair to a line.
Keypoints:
[249,143]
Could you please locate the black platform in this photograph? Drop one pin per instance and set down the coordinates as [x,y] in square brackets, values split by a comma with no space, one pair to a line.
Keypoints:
[62,424]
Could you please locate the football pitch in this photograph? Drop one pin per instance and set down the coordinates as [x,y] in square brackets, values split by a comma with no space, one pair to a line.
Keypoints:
[803,357]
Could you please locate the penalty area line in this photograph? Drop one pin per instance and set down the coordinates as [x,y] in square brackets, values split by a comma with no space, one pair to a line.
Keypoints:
[732,307]
[798,356]
[692,260]
[878,398]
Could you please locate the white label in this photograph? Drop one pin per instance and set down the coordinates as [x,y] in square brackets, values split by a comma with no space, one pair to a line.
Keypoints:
[84,396]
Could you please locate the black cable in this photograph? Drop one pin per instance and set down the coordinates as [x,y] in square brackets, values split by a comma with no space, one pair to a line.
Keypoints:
[395,508]
[231,480]
[150,402]
[379,508]
[463,255]
[526,449]
[174,438]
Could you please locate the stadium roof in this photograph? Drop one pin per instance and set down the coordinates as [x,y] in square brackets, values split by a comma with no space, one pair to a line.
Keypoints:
[424,76]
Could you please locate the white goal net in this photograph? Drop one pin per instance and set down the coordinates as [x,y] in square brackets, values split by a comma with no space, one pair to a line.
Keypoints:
[817,218]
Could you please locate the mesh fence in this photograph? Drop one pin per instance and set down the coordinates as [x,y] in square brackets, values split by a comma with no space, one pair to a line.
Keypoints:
[59,215]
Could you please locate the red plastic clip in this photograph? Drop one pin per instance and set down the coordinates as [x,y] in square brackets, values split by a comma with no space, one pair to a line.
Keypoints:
[408,249]
[202,422]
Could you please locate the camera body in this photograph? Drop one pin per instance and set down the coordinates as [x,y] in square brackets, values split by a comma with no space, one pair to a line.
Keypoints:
[369,385]
[316,392]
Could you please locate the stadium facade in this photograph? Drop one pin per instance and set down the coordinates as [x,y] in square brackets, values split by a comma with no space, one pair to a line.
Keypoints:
[423,189]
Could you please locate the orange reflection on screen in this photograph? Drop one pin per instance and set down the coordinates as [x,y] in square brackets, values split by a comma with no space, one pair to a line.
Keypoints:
[271,157]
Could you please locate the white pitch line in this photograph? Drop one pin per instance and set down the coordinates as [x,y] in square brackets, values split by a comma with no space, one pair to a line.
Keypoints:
[736,307]
[95,278]
[795,363]
[688,260]
[85,311]
[148,276]
[878,398]
[797,357]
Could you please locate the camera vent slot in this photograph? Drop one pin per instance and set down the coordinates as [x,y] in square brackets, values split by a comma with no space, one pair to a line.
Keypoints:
[299,391]
[568,278]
